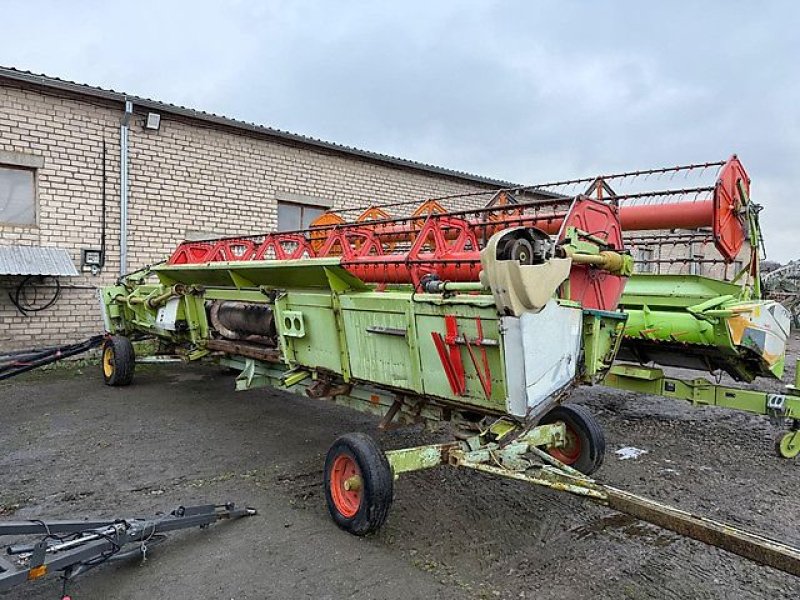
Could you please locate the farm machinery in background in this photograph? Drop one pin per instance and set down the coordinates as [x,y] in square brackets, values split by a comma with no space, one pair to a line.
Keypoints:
[783,284]
[483,315]
[725,324]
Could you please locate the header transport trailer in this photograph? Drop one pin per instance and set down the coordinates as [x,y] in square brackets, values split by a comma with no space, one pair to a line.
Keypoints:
[485,318]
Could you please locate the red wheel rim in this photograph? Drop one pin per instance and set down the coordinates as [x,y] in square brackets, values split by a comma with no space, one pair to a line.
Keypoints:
[346,496]
[571,451]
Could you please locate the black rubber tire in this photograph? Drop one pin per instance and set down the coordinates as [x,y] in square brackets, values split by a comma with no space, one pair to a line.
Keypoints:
[378,483]
[118,351]
[587,429]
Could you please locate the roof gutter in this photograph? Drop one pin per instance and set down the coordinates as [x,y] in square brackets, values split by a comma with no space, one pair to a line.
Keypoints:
[277,134]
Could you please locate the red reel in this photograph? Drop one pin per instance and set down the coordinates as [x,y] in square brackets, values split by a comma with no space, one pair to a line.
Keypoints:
[592,287]
[729,229]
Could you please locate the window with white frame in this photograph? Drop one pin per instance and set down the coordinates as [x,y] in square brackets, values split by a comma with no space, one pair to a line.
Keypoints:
[17,195]
[293,216]
[296,211]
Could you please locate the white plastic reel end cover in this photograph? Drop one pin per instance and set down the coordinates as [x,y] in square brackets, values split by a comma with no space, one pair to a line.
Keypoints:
[541,352]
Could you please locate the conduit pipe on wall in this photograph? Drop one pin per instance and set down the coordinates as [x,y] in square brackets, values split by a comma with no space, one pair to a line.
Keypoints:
[123,187]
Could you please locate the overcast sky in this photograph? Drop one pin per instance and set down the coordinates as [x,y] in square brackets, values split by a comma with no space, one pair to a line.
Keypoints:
[521,91]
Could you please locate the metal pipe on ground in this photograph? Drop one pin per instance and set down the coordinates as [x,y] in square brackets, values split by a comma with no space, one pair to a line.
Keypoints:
[46,358]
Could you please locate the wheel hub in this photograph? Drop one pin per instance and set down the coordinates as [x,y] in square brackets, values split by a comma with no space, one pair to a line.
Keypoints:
[346,485]
[571,450]
[108,362]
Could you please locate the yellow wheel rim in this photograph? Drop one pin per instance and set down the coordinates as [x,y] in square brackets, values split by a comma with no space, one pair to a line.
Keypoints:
[790,444]
[108,361]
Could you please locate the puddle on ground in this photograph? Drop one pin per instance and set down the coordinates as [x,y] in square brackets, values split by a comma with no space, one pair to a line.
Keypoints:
[625,525]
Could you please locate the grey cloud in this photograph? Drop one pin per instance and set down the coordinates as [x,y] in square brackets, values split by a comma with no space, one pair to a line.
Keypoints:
[526,91]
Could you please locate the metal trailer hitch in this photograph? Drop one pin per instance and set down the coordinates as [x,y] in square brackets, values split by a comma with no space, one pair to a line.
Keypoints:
[74,547]
[523,460]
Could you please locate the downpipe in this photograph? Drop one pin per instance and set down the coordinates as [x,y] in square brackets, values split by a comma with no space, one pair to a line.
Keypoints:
[123,188]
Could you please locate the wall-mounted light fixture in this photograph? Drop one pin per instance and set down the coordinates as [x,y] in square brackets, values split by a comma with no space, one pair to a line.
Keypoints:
[92,260]
[153,121]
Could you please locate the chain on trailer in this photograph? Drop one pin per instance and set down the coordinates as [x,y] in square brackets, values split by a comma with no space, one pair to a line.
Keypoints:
[73,547]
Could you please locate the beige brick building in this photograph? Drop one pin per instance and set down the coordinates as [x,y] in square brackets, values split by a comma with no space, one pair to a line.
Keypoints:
[196,174]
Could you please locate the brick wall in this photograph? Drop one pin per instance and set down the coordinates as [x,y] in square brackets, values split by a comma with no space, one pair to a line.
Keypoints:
[188,176]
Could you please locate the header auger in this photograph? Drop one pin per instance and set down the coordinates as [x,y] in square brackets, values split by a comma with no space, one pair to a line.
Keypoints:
[483,316]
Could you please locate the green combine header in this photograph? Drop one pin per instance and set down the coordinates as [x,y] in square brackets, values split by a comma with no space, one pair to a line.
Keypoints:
[486,318]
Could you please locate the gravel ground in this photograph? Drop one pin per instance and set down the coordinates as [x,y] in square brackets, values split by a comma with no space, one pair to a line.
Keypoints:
[71,447]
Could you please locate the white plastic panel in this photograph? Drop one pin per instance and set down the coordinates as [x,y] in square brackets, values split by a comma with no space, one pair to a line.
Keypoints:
[545,347]
[516,399]
[168,314]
